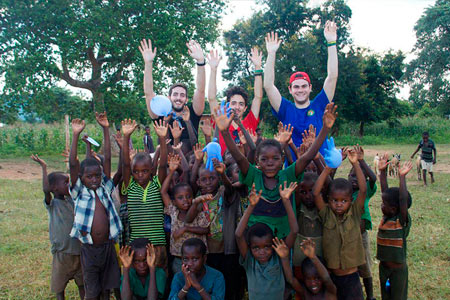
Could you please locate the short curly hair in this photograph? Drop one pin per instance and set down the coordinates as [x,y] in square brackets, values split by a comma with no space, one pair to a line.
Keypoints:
[236,90]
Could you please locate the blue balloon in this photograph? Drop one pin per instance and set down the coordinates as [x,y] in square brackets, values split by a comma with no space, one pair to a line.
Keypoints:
[332,156]
[212,150]
[161,105]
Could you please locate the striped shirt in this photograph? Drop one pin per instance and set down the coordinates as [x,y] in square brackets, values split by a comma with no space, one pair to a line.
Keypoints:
[391,239]
[146,211]
[427,150]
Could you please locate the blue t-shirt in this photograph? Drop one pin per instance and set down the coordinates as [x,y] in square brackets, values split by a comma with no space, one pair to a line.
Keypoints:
[301,118]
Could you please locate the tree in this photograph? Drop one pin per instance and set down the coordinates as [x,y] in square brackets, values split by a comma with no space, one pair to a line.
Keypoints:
[93,44]
[429,73]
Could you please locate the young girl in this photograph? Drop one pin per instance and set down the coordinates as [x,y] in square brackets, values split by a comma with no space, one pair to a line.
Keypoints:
[145,206]
[269,174]
[176,206]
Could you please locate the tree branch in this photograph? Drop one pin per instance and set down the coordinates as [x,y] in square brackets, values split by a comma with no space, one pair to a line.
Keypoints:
[65,75]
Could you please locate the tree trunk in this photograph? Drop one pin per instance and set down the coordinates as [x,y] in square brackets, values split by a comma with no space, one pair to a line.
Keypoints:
[361,129]
[98,102]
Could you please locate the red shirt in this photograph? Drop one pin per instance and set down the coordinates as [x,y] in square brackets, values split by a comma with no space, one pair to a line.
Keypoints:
[250,123]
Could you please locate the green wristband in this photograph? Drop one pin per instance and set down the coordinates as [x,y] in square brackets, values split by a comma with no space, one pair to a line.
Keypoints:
[332,43]
[258,71]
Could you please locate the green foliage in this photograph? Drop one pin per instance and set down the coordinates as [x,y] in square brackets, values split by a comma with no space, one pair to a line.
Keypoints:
[94,44]
[429,72]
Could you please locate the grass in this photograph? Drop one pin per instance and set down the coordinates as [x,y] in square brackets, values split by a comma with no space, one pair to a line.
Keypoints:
[25,259]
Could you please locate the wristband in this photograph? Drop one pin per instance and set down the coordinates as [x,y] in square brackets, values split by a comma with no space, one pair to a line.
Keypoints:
[260,71]
[259,74]
[201,290]
[184,291]
[332,43]
[201,64]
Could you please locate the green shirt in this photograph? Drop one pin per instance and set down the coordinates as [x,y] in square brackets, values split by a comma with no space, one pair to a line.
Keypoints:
[391,239]
[140,290]
[270,209]
[146,211]
[366,214]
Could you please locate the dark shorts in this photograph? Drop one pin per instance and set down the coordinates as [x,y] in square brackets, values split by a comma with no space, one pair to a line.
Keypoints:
[398,279]
[100,268]
[348,286]
[64,268]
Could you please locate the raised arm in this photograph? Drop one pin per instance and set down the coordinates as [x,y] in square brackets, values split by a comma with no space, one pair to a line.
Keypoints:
[272,45]
[362,193]
[256,58]
[199,154]
[126,257]
[206,127]
[329,117]
[247,136]
[317,189]
[118,176]
[285,195]
[283,252]
[74,164]
[196,52]
[45,183]
[253,199]
[102,120]
[367,171]
[174,163]
[404,170]
[187,120]
[223,123]
[128,127]
[161,131]
[148,55]
[382,167]
[151,263]
[213,61]
[220,169]
[329,85]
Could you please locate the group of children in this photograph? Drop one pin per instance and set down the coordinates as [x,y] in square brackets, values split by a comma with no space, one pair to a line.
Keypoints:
[260,221]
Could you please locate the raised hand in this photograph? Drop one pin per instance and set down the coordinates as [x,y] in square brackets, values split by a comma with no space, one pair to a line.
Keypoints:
[286,192]
[254,197]
[344,152]
[66,154]
[280,248]
[146,50]
[176,130]
[218,166]
[118,138]
[309,136]
[128,127]
[161,128]
[284,134]
[330,115]
[40,161]
[359,152]
[177,147]
[383,162]
[242,138]
[329,31]
[102,119]
[126,257]
[407,166]
[222,120]
[206,127]
[151,256]
[195,51]
[203,198]
[352,155]
[78,126]
[256,58]
[186,115]
[272,42]
[214,59]
[85,138]
[309,248]
[174,161]
[198,152]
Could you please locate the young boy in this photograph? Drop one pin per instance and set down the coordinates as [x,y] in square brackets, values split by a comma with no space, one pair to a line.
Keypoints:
[342,244]
[264,273]
[141,278]
[427,160]
[96,224]
[148,142]
[316,283]
[66,251]
[365,270]
[392,233]
[197,280]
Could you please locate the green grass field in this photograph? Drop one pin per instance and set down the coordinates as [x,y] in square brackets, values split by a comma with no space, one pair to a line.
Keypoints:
[25,258]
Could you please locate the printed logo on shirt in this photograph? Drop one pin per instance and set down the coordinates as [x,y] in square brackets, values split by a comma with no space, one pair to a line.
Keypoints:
[310,113]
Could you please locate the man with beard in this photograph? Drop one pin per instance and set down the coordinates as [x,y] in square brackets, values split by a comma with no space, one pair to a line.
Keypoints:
[302,112]
[178,91]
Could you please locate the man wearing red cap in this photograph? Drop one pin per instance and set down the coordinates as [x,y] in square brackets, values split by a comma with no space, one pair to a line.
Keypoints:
[302,112]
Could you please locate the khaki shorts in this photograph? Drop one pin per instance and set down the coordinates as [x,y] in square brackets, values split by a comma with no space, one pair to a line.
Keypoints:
[64,268]
[427,165]
[365,270]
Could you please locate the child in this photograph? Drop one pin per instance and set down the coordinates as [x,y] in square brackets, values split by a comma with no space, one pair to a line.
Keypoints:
[269,175]
[427,159]
[264,273]
[177,207]
[317,283]
[66,251]
[392,233]
[342,244]
[96,223]
[141,279]
[197,280]
[148,142]
[366,221]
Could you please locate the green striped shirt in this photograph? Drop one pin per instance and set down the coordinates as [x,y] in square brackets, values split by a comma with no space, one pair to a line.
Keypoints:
[146,211]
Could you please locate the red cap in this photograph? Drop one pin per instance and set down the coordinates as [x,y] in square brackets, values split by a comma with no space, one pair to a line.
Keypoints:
[299,75]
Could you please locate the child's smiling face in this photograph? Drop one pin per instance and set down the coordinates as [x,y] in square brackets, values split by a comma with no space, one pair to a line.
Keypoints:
[208,181]
[270,160]
[312,281]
